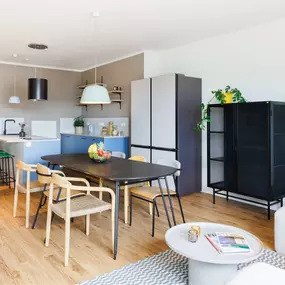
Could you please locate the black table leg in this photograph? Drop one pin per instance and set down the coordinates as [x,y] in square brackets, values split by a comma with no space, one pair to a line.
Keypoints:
[117,203]
[170,201]
[164,203]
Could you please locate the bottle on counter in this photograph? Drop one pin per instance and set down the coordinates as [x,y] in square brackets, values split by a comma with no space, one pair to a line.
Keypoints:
[115,131]
[110,128]
[104,131]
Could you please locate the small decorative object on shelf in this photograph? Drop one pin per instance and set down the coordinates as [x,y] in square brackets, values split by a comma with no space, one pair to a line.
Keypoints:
[97,153]
[229,95]
[116,88]
[78,125]
[22,133]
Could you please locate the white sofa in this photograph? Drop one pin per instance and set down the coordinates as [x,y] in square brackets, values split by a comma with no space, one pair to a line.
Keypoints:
[262,273]
[279,231]
[259,273]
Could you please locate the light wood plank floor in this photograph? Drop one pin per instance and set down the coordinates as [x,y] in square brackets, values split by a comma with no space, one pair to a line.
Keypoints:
[25,260]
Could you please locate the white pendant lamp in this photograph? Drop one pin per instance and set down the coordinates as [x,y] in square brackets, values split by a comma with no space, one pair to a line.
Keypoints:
[14,99]
[95,94]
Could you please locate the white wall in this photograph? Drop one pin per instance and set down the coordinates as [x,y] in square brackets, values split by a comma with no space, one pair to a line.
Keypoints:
[251,60]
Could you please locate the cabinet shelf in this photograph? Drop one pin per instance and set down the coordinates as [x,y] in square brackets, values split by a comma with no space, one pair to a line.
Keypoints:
[221,159]
[217,132]
[116,91]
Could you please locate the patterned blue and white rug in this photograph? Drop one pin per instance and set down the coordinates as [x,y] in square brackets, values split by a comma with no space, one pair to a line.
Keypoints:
[167,268]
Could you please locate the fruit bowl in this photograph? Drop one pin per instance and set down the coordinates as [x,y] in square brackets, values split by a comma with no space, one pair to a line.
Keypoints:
[100,156]
[97,153]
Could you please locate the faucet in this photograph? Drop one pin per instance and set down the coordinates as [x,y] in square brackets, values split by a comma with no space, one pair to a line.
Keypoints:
[5,130]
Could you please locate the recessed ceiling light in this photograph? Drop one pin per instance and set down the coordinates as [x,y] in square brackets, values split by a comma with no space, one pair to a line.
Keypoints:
[26,59]
[15,55]
[38,46]
[96,14]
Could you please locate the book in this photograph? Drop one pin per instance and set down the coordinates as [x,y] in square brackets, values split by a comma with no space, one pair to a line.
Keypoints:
[212,239]
[232,243]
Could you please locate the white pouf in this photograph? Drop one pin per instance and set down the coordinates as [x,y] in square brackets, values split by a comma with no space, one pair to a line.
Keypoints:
[279,229]
[259,274]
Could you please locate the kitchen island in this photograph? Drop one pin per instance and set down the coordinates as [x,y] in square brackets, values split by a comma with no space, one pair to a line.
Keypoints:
[29,150]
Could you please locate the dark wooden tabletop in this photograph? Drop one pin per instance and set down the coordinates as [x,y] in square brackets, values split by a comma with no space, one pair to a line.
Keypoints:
[115,169]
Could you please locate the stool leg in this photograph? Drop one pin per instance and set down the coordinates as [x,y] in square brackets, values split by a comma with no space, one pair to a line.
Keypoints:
[153,217]
[9,177]
[13,171]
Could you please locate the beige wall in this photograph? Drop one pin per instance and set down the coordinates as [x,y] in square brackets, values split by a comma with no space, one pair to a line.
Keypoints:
[119,73]
[62,93]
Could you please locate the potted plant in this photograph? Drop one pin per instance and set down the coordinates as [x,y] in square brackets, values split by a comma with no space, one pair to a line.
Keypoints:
[229,95]
[78,125]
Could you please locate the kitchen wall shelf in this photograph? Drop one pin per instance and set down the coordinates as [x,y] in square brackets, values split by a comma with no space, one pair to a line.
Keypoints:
[116,91]
[85,85]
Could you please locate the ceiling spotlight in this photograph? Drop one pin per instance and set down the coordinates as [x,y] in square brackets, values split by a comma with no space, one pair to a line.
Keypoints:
[15,55]
[26,59]
[38,46]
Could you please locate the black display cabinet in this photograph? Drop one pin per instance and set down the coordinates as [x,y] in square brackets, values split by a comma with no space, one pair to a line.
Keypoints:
[246,151]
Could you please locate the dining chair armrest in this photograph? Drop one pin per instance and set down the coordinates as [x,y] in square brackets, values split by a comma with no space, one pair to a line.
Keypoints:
[77,179]
[93,189]
[58,172]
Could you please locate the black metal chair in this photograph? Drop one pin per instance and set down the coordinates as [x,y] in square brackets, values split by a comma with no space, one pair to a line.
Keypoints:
[151,193]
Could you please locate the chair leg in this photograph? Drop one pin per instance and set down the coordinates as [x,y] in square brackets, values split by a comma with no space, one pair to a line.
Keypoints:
[180,206]
[67,241]
[131,208]
[48,226]
[153,217]
[28,208]
[126,203]
[156,209]
[100,185]
[16,193]
[150,208]
[87,225]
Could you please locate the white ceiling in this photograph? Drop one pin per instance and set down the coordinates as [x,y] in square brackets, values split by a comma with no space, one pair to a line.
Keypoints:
[78,41]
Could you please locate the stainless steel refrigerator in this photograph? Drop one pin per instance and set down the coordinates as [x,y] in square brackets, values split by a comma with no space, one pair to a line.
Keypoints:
[164,112]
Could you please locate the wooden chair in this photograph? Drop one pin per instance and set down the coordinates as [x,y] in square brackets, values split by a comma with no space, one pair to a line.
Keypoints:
[59,194]
[151,193]
[79,206]
[27,188]
[118,154]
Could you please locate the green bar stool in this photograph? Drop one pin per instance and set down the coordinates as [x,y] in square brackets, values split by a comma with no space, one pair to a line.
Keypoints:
[6,165]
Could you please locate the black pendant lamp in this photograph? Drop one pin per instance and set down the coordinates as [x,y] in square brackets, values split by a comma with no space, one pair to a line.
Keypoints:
[37,89]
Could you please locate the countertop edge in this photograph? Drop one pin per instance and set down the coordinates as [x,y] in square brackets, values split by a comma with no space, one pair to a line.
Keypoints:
[93,136]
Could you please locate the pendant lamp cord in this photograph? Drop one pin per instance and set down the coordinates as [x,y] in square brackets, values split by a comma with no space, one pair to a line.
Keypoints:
[15,78]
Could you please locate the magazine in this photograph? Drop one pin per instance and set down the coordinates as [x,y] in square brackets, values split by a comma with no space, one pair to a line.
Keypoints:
[228,242]
[232,243]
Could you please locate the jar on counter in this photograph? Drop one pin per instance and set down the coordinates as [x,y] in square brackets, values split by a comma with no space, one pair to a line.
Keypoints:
[104,131]
[115,131]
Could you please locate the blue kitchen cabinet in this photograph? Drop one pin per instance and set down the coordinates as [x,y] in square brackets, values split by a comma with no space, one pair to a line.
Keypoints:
[117,144]
[68,144]
[80,144]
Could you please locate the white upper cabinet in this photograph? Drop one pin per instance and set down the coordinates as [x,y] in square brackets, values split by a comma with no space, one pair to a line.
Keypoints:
[140,112]
[164,111]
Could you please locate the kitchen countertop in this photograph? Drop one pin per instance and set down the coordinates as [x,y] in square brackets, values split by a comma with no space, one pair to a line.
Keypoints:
[17,139]
[93,136]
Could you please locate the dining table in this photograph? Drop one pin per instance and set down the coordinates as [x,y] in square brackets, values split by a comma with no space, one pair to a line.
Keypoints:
[120,171]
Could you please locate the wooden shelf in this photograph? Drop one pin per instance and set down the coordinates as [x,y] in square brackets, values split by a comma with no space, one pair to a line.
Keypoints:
[84,86]
[116,91]
[117,100]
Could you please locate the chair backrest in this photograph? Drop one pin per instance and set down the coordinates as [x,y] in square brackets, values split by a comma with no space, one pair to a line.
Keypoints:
[118,154]
[171,163]
[44,174]
[23,166]
[170,179]
[60,181]
[138,158]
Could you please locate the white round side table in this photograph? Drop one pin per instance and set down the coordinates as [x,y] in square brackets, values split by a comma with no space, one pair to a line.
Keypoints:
[206,265]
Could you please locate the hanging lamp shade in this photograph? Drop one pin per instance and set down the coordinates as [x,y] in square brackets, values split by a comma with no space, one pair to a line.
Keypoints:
[95,94]
[37,89]
[14,100]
